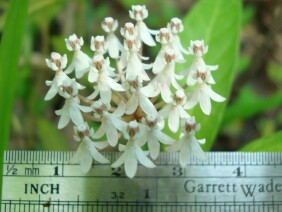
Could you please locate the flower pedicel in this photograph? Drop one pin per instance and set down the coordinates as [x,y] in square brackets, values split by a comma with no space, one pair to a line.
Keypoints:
[134,101]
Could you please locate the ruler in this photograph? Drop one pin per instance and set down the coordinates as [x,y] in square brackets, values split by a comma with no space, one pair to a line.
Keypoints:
[226,181]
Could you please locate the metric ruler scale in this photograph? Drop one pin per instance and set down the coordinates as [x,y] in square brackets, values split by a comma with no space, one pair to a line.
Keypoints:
[225,181]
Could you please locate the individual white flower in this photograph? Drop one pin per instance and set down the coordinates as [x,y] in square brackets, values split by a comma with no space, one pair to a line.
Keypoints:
[138,98]
[174,110]
[132,152]
[98,45]
[175,26]
[164,79]
[100,73]
[197,48]
[80,62]
[71,109]
[87,150]
[139,13]
[135,68]
[203,93]
[154,136]
[188,143]
[128,31]
[110,122]
[57,63]
[109,25]
[165,38]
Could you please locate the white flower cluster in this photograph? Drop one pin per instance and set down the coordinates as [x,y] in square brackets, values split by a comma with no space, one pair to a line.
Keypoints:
[134,101]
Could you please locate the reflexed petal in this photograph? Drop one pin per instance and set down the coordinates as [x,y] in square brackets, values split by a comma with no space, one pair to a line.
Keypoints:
[51,92]
[131,105]
[192,100]
[173,120]
[86,161]
[106,96]
[142,158]
[175,147]
[65,117]
[159,63]
[214,96]
[164,113]
[85,109]
[118,123]
[150,90]
[70,68]
[184,153]
[101,144]
[154,147]
[120,110]
[205,102]
[145,34]
[75,114]
[101,131]
[146,105]
[77,155]
[95,154]
[165,93]
[119,161]
[183,114]
[114,85]
[163,138]
[93,74]
[111,133]
[94,94]
[197,150]
[113,44]
[130,163]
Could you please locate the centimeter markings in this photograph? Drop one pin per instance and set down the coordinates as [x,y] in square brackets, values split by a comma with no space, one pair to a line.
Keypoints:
[226,181]
[213,158]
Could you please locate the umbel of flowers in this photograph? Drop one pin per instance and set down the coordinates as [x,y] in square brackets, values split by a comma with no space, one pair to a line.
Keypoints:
[133,101]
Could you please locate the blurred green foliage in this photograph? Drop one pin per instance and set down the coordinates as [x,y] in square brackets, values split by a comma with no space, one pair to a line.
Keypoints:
[218,22]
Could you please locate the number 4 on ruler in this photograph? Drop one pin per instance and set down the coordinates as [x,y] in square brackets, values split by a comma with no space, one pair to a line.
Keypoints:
[238,172]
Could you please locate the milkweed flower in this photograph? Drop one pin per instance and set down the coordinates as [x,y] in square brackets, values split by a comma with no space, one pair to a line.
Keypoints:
[110,25]
[80,62]
[203,93]
[72,108]
[57,63]
[132,152]
[174,110]
[98,45]
[188,143]
[87,150]
[139,13]
[154,136]
[110,122]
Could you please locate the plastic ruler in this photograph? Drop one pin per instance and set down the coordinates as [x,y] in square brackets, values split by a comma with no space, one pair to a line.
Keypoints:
[226,181]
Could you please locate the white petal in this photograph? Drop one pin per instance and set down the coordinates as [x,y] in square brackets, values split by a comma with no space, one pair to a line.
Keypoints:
[147,105]
[93,75]
[173,120]
[85,109]
[119,161]
[192,100]
[183,114]
[164,113]
[150,90]
[175,147]
[114,85]
[205,102]
[118,123]
[94,94]
[106,96]
[70,68]
[101,144]
[145,34]
[131,105]
[184,153]
[65,117]
[113,44]
[75,114]
[111,134]
[197,150]
[154,147]
[95,154]
[214,96]
[130,163]
[51,92]
[159,63]
[120,110]
[101,131]
[163,138]
[142,158]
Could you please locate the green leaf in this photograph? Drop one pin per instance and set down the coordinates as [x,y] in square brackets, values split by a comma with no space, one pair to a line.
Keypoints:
[249,103]
[271,143]
[218,23]
[9,55]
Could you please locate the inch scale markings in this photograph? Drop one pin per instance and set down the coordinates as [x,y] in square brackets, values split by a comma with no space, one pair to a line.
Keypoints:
[46,181]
